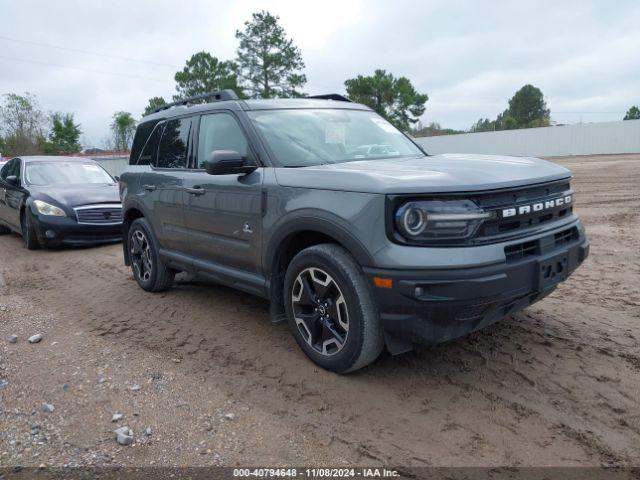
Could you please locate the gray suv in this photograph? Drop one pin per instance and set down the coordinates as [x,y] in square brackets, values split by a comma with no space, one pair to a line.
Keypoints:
[358,238]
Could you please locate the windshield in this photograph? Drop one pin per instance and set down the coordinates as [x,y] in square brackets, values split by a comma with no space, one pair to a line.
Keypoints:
[319,136]
[65,173]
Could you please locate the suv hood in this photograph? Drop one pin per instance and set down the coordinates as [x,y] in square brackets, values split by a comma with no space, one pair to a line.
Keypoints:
[432,174]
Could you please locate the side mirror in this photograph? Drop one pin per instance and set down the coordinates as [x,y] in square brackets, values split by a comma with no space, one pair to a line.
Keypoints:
[227,162]
[13,180]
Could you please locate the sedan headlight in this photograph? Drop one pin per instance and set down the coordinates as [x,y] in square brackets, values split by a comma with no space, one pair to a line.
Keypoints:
[45,208]
[439,220]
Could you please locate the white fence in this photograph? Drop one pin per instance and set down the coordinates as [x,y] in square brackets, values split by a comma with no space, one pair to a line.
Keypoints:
[580,139]
[115,165]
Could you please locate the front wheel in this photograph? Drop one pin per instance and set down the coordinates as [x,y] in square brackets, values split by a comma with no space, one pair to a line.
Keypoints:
[148,268]
[330,309]
[28,232]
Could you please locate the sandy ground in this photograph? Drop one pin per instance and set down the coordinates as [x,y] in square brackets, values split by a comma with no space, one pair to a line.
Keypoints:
[557,384]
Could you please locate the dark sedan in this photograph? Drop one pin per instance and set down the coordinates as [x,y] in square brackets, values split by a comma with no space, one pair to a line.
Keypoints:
[54,201]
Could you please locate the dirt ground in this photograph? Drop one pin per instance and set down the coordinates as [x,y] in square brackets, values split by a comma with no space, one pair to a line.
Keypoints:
[558,384]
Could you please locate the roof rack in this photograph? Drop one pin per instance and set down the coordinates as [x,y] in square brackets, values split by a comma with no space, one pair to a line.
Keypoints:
[216,96]
[331,96]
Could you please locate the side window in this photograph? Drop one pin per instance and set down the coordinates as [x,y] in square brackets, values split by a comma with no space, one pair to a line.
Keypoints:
[148,155]
[140,139]
[219,131]
[174,144]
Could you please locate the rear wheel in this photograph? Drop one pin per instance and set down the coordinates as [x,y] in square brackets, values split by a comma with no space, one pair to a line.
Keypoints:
[330,309]
[148,269]
[28,232]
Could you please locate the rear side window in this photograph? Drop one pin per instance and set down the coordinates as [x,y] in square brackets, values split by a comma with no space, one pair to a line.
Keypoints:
[142,134]
[148,155]
[174,144]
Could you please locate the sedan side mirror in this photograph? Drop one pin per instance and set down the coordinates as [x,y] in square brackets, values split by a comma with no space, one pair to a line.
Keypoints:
[13,180]
[227,162]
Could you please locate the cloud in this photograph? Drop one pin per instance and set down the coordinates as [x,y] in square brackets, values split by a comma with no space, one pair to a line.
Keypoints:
[470,57]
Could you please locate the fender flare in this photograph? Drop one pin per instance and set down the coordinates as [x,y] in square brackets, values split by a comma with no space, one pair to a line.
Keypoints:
[318,221]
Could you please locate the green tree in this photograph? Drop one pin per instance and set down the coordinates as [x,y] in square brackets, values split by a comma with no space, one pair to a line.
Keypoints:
[528,108]
[632,114]
[22,125]
[123,128]
[269,64]
[64,136]
[153,105]
[204,73]
[483,125]
[394,98]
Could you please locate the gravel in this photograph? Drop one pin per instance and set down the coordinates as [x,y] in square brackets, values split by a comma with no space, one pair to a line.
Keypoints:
[12,339]
[48,408]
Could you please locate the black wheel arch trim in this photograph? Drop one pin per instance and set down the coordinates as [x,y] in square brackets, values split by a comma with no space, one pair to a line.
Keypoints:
[313,221]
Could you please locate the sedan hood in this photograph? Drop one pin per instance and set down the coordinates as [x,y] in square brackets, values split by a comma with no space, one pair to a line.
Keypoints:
[77,195]
[433,174]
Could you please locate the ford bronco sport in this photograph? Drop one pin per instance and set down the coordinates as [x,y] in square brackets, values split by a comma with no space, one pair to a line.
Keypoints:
[358,238]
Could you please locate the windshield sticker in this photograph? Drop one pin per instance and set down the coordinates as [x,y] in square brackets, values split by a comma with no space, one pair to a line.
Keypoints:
[334,133]
[384,125]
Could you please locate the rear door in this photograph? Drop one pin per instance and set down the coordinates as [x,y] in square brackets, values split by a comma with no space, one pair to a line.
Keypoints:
[161,186]
[223,212]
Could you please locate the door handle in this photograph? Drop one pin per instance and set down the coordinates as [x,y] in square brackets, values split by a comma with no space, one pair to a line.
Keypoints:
[195,190]
[149,188]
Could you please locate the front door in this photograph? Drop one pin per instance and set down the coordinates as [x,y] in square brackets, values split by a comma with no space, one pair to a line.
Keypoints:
[223,212]
[11,196]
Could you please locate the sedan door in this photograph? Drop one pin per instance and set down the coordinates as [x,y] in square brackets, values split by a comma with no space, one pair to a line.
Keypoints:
[12,196]
[223,212]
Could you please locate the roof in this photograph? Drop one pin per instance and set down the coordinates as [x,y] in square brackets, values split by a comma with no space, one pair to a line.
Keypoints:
[254,104]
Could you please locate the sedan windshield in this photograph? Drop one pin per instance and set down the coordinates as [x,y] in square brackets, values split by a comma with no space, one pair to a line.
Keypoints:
[300,138]
[65,173]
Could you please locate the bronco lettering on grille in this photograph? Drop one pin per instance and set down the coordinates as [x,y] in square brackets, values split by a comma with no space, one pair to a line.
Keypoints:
[536,207]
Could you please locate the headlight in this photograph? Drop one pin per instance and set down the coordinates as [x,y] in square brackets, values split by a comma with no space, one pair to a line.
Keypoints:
[45,208]
[439,220]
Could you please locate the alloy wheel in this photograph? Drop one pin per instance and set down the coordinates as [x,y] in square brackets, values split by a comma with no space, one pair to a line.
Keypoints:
[320,311]
[141,255]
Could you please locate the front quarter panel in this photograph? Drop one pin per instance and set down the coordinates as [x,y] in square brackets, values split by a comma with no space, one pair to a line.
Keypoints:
[354,219]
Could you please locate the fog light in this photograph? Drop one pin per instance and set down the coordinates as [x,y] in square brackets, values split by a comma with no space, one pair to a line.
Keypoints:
[419,291]
[50,234]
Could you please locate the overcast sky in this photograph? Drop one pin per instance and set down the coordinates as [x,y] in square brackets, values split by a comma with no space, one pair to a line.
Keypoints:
[468,56]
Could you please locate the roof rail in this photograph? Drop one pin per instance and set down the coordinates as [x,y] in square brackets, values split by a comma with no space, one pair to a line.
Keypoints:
[216,96]
[331,96]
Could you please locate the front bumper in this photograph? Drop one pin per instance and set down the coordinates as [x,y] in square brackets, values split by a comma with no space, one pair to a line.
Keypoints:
[432,306]
[58,231]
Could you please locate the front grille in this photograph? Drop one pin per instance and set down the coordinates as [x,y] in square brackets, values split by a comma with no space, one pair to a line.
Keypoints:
[110,214]
[566,236]
[528,195]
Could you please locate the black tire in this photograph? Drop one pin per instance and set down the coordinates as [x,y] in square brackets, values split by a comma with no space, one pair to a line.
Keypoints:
[28,232]
[363,339]
[153,276]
